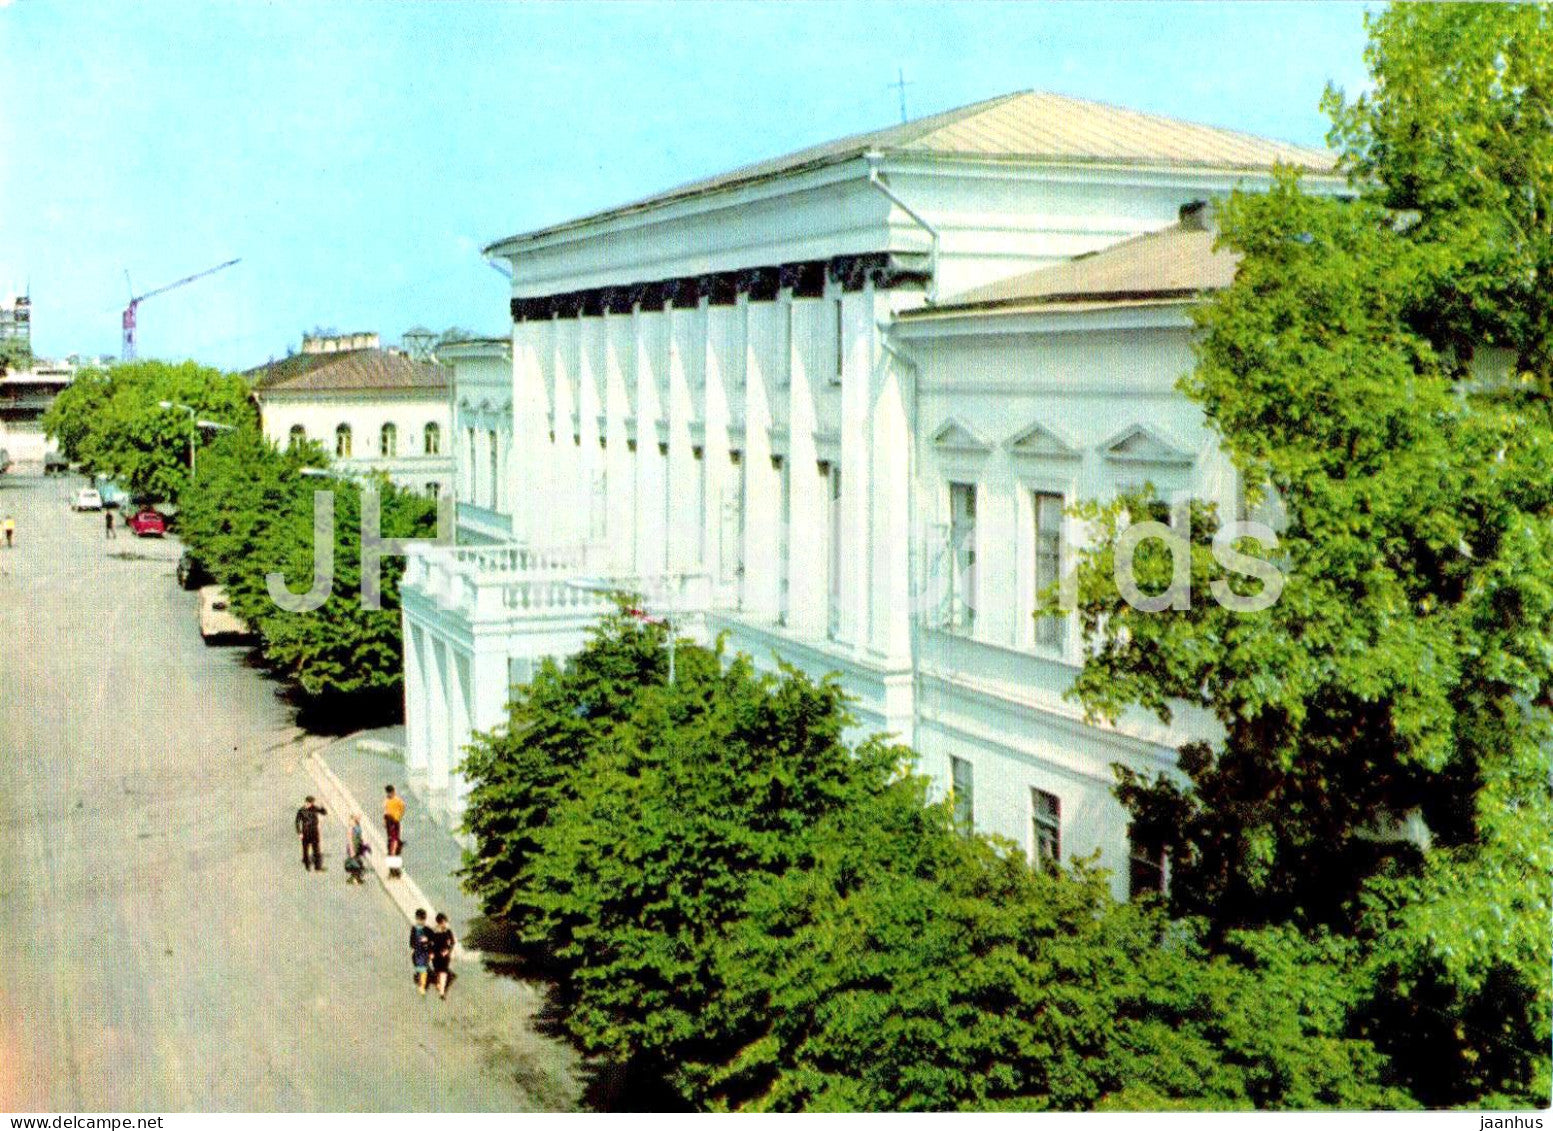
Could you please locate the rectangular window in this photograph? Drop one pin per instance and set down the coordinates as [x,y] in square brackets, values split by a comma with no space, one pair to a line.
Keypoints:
[1148,869]
[1050,632]
[1046,826]
[962,781]
[962,557]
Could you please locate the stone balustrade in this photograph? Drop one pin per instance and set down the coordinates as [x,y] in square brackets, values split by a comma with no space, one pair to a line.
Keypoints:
[526,583]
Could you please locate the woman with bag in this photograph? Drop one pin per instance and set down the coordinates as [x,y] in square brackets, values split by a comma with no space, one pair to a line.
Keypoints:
[356,849]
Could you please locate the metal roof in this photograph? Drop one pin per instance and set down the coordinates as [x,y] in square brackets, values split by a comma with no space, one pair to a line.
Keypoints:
[1176,262]
[348,371]
[1027,126]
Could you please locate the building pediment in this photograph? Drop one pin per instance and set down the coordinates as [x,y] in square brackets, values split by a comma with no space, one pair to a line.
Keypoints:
[1039,442]
[1140,444]
[958,439]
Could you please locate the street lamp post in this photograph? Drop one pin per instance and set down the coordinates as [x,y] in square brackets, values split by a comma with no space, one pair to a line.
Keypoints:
[192,425]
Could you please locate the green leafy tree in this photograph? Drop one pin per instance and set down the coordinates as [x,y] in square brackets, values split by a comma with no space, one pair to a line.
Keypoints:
[1383,366]
[672,812]
[907,967]
[732,898]
[15,356]
[112,421]
[251,514]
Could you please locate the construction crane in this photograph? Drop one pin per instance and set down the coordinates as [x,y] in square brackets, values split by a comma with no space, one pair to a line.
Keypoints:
[135,301]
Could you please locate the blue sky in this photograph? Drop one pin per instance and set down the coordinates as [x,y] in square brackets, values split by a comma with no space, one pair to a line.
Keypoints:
[356,156]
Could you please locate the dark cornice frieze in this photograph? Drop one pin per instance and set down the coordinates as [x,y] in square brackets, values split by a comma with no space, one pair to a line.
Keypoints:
[803,279]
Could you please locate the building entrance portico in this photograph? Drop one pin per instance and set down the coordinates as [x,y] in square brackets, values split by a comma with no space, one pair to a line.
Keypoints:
[478,619]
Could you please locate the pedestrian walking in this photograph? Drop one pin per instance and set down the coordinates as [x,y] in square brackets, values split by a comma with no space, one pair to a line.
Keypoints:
[420,949]
[307,832]
[393,814]
[442,944]
[10,530]
[107,523]
[356,849]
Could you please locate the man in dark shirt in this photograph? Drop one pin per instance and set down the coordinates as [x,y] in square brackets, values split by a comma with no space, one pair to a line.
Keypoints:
[421,945]
[307,832]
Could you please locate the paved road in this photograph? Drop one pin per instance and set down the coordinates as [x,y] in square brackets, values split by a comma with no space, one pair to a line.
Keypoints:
[163,949]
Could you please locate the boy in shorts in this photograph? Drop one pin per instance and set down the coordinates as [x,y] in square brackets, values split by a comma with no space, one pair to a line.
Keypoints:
[420,950]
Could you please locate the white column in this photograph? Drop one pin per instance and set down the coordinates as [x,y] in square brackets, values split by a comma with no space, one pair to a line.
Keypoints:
[439,697]
[510,485]
[762,503]
[806,540]
[529,431]
[566,516]
[889,519]
[716,468]
[648,338]
[546,489]
[590,458]
[416,754]
[459,680]
[684,489]
[621,484]
[856,398]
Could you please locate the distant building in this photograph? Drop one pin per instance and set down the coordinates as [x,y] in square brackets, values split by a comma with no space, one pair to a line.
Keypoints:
[16,321]
[372,410]
[24,397]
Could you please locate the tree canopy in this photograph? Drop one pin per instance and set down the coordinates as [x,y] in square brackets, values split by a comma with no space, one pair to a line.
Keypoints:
[732,897]
[251,513]
[111,421]
[1383,365]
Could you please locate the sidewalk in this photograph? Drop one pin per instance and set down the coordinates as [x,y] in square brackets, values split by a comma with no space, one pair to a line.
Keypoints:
[364,763]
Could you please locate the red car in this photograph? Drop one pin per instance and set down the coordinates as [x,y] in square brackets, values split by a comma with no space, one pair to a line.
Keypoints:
[146,523]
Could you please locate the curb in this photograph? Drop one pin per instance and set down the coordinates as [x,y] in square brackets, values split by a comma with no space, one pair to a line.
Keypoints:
[404,891]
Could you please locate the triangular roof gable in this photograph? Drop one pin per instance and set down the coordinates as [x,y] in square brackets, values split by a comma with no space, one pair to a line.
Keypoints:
[1038,441]
[1138,443]
[956,437]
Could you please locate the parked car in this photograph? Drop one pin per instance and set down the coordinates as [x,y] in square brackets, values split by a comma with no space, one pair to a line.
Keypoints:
[5,461]
[217,621]
[54,464]
[86,499]
[146,523]
[191,571]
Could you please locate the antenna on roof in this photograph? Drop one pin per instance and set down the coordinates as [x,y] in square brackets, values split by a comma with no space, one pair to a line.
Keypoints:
[900,84]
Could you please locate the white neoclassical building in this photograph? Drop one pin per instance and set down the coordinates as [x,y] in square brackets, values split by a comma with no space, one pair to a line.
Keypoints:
[835,405]
[481,439]
[372,410]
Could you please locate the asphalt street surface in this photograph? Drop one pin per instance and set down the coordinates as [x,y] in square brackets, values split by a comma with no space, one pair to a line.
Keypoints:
[163,949]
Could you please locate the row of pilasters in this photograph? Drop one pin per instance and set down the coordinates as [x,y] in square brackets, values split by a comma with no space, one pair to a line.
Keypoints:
[451,691]
[682,438]
[485,449]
